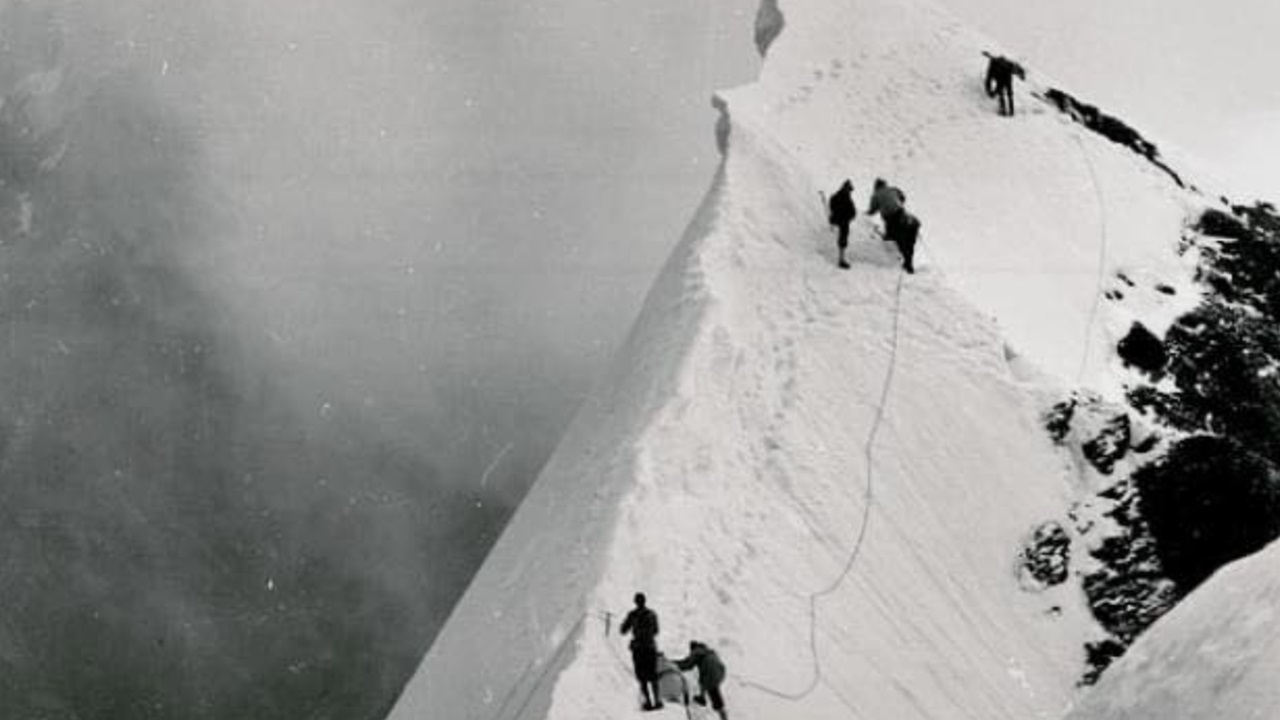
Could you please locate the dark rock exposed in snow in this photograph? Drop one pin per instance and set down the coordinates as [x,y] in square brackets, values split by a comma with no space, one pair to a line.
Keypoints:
[1140,348]
[1208,501]
[1110,127]
[1109,445]
[1047,556]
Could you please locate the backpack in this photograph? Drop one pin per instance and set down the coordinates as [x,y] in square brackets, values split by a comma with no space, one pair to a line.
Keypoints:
[672,686]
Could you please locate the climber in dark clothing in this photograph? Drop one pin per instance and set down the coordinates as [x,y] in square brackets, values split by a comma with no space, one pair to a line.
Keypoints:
[842,211]
[1000,73]
[900,226]
[642,623]
[710,675]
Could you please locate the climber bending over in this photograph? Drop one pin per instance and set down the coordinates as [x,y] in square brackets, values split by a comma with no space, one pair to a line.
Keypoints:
[900,226]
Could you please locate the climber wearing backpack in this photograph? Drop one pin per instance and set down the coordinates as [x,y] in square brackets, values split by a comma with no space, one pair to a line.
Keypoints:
[642,623]
[1000,73]
[710,675]
[900,226]
[841,212]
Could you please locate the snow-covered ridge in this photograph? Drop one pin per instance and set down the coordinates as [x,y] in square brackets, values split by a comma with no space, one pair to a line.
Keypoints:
[1214,656]
[828,475]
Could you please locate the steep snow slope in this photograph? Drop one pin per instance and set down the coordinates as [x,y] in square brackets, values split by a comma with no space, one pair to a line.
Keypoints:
[827,475]
[1214,657]
[1027,216]
[1182,51]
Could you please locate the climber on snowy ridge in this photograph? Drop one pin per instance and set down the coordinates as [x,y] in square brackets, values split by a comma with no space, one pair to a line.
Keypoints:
[1000,73]
[900,226]
[642,623]
[841,212]
[711,674]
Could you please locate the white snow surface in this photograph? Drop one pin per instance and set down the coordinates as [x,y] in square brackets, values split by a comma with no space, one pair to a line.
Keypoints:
[1215,656]
[777,428]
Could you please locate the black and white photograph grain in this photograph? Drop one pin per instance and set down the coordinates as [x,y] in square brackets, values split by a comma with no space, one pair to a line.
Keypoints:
[639,360]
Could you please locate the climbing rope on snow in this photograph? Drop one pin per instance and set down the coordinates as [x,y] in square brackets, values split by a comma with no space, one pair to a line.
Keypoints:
[913,134]
[1102,258]
[868,452]
[868,492]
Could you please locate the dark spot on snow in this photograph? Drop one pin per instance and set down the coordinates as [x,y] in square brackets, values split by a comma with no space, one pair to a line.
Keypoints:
[1058,420]
[1110,444]
[1142,349]
[1217,223]
[1110,127]
[1128,589]
[1099,654]
[1046,557]
[1209,501]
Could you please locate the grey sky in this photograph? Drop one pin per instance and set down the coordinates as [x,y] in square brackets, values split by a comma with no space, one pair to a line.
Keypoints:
[297,297]
[460,203]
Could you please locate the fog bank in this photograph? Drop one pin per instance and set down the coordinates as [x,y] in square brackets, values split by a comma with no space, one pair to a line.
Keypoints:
[297,297]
